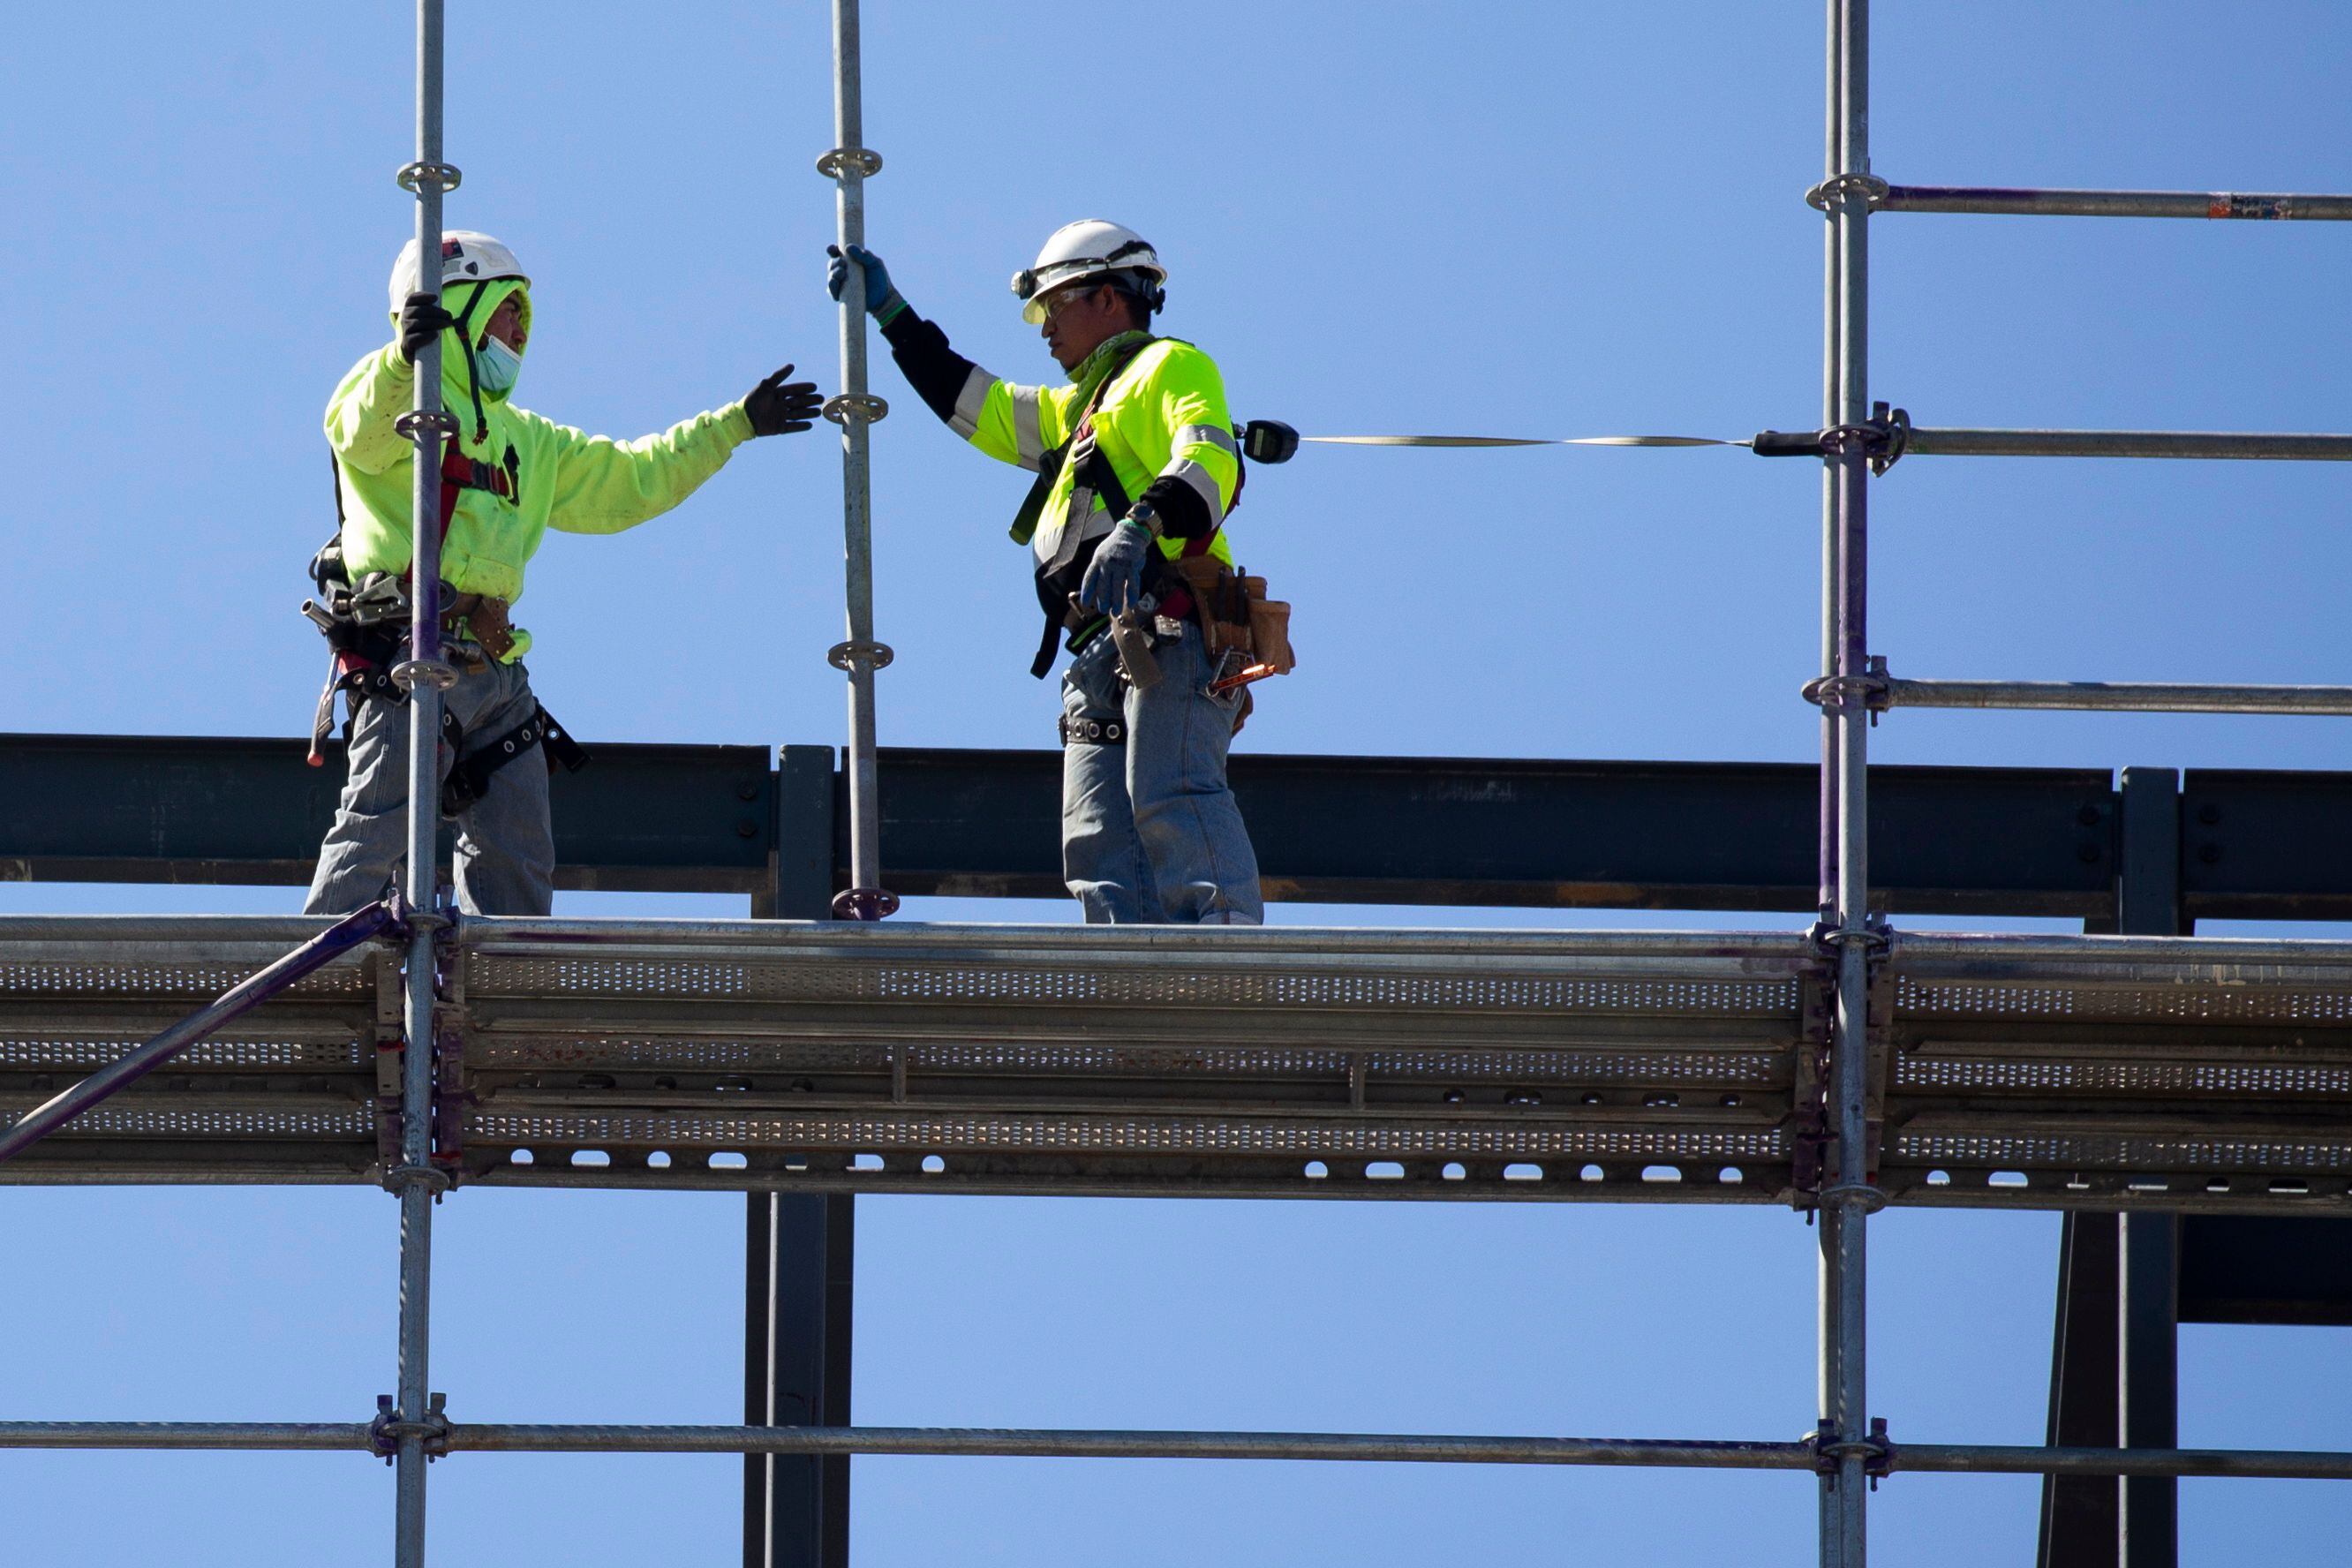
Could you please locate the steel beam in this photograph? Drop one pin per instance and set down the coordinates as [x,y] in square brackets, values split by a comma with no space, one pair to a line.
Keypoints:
[2266,845]
[209,809]
[1470,831]
[986,824]
[2249,1268]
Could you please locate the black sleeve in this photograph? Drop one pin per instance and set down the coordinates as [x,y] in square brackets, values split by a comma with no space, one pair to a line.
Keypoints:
[935,371]
[1182,514]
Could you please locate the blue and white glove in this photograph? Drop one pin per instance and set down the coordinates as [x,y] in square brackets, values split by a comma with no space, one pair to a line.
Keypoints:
[1114,579]
[882,301]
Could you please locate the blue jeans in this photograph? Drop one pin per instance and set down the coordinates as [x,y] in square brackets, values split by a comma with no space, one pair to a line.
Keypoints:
[1149,830]
[505,843]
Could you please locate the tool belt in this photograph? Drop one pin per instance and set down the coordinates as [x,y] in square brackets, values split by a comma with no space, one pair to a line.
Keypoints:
[367,630]
[1240,626]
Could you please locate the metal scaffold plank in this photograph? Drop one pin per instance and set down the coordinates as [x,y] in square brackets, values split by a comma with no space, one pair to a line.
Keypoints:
[2022,1072]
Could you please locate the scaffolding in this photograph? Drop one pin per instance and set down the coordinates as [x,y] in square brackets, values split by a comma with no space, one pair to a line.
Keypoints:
[1836,1071]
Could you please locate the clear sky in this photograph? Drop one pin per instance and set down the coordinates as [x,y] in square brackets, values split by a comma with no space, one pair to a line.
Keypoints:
[1536,219]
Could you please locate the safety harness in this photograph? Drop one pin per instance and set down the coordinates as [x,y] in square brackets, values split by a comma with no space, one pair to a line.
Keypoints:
[367,629]
[1094,480]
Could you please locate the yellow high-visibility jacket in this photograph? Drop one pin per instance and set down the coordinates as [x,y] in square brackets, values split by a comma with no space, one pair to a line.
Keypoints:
[551,475]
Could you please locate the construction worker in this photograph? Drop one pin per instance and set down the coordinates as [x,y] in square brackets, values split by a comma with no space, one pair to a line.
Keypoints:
[1137,465]
[508,475]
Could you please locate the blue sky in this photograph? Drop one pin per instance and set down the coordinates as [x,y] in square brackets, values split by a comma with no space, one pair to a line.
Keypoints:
[1557,219]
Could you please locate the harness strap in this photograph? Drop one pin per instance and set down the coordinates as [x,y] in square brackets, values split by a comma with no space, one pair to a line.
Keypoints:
[1054,587]
[1092,731]
[470,777]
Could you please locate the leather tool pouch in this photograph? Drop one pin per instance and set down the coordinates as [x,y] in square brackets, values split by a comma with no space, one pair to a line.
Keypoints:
[1235,614]
[492,625]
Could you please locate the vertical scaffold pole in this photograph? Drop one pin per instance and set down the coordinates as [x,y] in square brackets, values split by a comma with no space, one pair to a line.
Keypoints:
[1832,160]
[1848,1199]
[848,164]
[426,676]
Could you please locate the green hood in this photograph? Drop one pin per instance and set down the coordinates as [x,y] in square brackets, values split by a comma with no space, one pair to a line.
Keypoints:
[457,375]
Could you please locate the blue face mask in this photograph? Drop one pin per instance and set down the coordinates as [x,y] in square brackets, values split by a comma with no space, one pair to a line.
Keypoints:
[496,366]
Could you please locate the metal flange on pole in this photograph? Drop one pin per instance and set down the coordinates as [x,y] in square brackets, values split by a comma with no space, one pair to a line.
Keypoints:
[407,1428]
[847,164]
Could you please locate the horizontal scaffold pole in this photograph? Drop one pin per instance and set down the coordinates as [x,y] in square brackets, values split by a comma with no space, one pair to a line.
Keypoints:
[1943,1459]
[2111,203]
[1930,441]
[2120,697]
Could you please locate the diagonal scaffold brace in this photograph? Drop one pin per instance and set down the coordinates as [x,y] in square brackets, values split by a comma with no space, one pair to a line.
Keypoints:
[386,917]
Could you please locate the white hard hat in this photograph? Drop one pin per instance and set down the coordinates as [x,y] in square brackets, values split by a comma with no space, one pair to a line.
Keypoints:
[1089,247]
[465,257]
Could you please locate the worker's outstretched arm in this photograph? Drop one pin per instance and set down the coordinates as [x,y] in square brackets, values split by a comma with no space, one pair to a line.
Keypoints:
[603,486]
[1012,424]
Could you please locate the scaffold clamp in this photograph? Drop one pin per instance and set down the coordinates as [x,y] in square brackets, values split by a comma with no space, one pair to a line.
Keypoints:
[1877,1451]
[853,655]
[1838,693]
[387,1431]
[413,177]
[1882,439]
[856,408]
[1834,189]
[864,161]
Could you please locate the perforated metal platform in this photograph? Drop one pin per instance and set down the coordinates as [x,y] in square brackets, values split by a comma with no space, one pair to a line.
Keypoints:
[2021,1072]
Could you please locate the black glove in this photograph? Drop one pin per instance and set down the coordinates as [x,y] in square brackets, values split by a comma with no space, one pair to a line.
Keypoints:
[422,320]
[779,408]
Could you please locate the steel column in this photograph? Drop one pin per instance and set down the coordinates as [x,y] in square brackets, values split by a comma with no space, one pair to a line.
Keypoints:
[2148,1395]
[2147,1246]
[849,162]
[800,1257]
[2113,1348]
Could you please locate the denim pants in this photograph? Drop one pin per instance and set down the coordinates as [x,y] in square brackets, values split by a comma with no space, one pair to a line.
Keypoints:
[505,846]
[1150,833]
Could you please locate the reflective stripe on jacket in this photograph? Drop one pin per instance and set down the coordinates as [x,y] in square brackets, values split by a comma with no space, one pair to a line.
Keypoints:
[1164,417]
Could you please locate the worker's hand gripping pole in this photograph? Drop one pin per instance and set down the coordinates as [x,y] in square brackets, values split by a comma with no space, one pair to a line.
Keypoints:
[847,164]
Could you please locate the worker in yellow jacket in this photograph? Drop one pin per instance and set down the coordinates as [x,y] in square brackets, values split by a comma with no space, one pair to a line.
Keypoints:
[1137,465]
[507,476]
